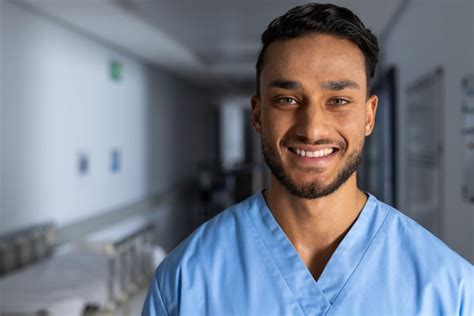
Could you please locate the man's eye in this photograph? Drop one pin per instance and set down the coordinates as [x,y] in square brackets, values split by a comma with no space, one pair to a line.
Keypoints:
[338,101]
[285,100]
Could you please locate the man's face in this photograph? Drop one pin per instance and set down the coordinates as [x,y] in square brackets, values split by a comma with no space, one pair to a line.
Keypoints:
[313,112]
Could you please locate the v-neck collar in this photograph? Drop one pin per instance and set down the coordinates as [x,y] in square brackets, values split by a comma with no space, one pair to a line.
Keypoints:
[315,298]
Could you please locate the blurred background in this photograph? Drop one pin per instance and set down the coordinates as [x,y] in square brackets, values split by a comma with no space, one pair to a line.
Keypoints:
[124,124]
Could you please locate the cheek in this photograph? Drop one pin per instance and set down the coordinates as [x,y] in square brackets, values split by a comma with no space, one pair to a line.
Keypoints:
[352,127]
[275,125]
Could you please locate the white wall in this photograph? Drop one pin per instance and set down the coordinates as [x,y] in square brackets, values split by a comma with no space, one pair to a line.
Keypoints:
[430,34]
[58,100]
[2,218]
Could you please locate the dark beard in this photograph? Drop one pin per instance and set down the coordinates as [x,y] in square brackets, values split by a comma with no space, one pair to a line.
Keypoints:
[311,190]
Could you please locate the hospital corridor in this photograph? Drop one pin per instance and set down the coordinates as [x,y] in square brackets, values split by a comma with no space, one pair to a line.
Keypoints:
[127,124]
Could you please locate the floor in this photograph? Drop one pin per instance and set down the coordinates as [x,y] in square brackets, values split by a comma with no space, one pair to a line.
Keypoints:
[134,306]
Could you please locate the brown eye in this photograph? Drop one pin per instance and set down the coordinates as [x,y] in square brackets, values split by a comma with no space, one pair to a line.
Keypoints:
[285,101]
[338,101]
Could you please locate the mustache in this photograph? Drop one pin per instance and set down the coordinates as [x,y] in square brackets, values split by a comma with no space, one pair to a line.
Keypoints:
[299,140]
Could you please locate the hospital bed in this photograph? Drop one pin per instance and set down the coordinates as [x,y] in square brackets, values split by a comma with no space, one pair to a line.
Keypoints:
[128,246]
[92,277]
[26,246]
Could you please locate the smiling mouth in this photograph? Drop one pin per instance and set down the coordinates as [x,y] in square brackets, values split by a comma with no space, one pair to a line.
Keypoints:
[313,154]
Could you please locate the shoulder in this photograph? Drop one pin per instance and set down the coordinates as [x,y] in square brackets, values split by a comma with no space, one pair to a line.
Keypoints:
[221,230]
[419,242]
[214,242]
[424,257]
[418,268]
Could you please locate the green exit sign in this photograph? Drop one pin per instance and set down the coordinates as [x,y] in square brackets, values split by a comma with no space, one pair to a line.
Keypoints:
[116,71]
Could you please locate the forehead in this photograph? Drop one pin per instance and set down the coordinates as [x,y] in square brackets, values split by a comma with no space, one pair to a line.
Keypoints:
[313,58]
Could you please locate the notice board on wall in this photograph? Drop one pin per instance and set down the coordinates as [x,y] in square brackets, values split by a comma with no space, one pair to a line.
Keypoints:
[467,131]
[424,130]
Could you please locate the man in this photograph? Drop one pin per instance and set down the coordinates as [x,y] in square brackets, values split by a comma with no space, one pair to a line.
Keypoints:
[313,243]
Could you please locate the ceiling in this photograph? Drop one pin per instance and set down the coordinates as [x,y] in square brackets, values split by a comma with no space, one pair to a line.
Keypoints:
[213,39]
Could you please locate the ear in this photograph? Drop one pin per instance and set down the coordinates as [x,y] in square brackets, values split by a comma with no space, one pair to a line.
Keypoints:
[371,110]
[256,114]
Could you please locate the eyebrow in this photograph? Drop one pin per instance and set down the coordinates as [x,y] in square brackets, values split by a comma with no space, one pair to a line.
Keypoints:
[339,85]
[334,85]
[284,84]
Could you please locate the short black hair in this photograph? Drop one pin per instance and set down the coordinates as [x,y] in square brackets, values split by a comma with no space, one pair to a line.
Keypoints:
[314,18]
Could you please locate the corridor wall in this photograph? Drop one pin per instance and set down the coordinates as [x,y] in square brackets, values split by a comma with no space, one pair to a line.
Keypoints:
[428,35]
[78,140]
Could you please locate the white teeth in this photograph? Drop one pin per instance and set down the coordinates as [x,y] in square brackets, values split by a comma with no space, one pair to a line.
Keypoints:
[314,154]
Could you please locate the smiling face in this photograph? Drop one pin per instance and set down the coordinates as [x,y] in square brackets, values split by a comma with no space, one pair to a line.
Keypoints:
[313,113]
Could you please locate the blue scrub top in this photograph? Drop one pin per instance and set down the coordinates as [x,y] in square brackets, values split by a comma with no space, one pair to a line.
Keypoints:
[242,263]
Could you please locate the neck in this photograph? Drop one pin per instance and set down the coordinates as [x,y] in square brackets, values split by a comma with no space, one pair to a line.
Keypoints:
[316,227]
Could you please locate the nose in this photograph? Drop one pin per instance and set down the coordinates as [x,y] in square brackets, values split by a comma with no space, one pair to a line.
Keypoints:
[312,123]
